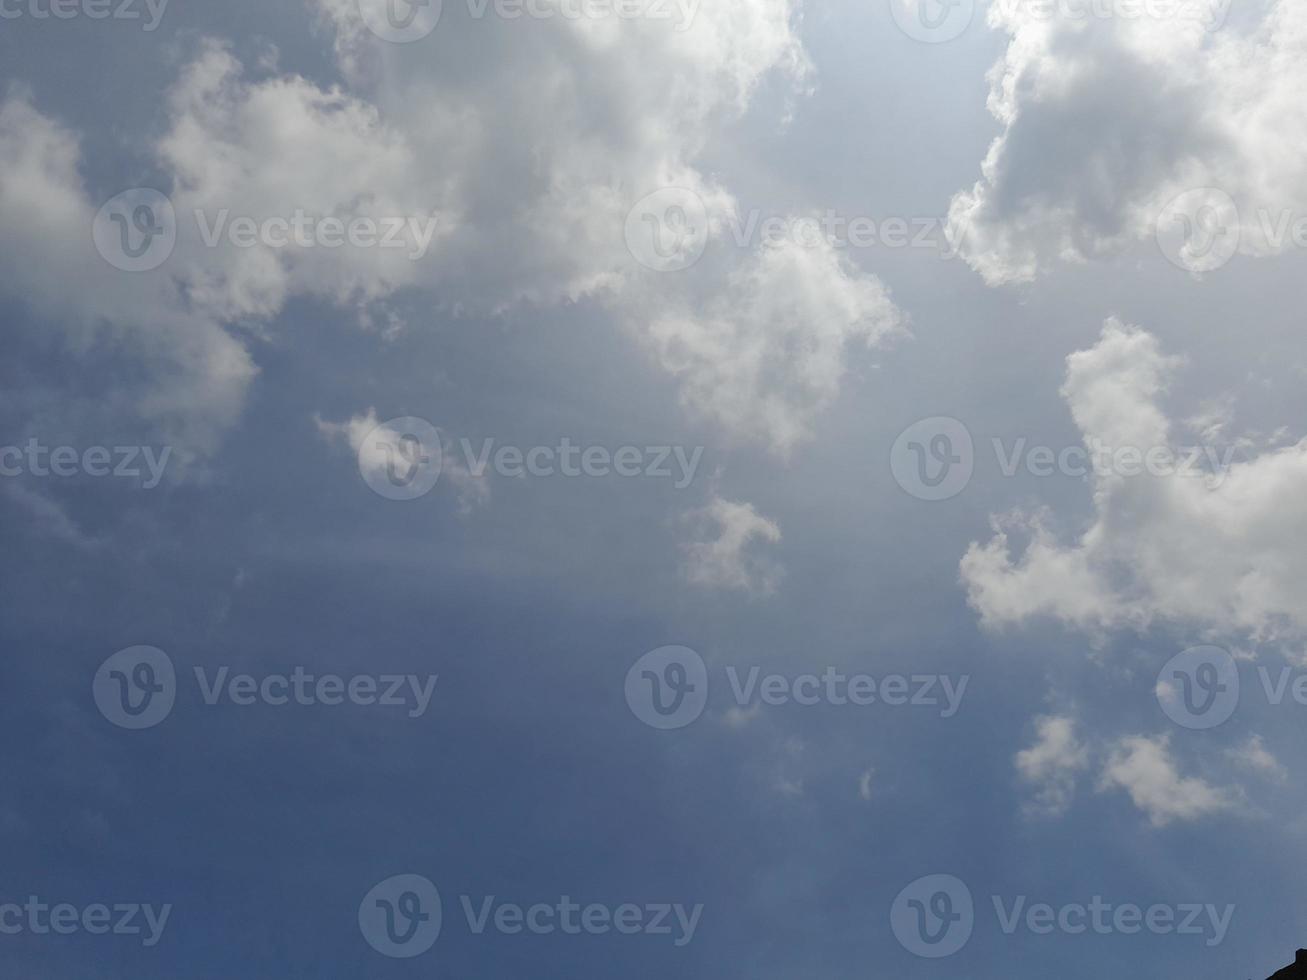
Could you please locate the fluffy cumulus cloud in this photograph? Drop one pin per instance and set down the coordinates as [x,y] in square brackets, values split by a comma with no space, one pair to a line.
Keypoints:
[1144,768]
[544,178]
[1111,115]
[723,553]
[1214,547]
[766,354]
[341,205]
[1052,764]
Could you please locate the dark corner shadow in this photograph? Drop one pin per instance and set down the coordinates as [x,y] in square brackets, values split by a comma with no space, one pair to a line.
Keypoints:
[1296,972]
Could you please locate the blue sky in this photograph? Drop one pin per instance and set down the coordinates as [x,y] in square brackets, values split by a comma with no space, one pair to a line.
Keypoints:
[1091,354]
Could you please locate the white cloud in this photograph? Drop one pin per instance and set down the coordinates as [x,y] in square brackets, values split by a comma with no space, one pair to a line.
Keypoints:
[532,185]
[737,717]
[239,149]
[765,355]
[473,491]
[354,432]
[1143,767]
[723,554]
[542,175]
[788,768]
[1053,763]
[864,784]
[1254,756]
[48,517]
[196,373]
[526,141]
[1221,554]
[1107,119]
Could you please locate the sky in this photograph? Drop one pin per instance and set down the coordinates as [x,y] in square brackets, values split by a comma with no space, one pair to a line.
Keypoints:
[652,488]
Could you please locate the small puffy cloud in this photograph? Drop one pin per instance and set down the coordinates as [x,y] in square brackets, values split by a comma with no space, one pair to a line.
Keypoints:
[371,455]
[865,783]
[1053,764]
[723,554]
[1216,548]
[1108,119]
[1144,768]
[353,431]
[1254,757]
[788,772]
[738,717]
